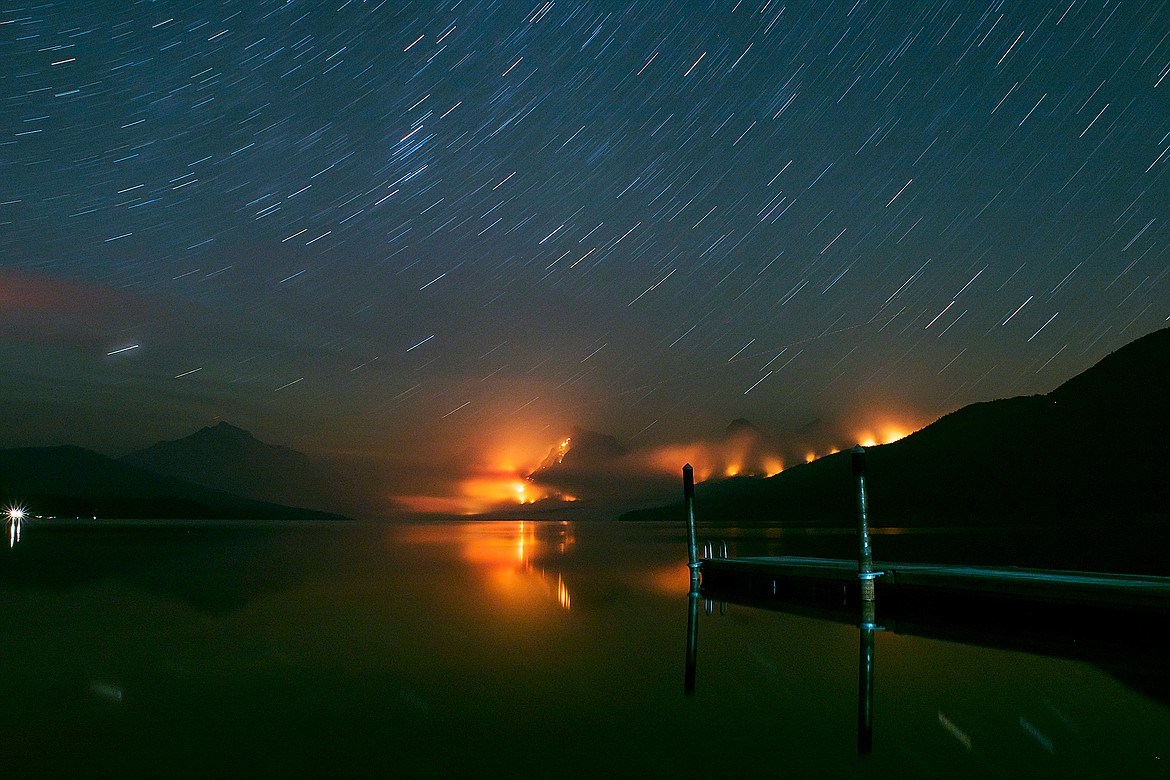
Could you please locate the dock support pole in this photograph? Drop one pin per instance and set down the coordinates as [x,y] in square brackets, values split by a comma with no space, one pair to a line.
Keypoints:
[868,614]
[689,505]
[693,564]
[864,556]
[692,639]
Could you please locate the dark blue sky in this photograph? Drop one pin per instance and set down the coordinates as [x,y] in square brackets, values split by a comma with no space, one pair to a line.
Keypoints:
[392,226]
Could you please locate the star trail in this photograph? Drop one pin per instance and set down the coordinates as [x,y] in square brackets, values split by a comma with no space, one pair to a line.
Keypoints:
[396,226]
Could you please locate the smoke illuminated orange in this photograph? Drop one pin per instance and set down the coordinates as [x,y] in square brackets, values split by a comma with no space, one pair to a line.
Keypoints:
[505,488]
[714,459]
[500,482]
[885,435]
[503,480]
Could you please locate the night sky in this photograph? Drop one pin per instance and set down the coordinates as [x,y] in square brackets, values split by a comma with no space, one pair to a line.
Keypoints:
[424,231]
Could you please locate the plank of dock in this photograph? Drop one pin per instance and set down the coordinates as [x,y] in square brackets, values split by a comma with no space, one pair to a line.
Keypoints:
[1025,584]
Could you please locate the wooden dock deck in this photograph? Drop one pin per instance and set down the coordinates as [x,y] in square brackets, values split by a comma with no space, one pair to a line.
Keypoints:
[787,576]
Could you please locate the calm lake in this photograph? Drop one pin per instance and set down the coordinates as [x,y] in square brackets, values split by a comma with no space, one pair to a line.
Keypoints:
[505,649]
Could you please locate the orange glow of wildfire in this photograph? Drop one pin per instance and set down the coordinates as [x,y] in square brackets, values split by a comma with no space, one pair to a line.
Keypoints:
[714,460]
[506,482]
[885,435]
[484,492]
[499,483]
[871,436]
[502,488]
[502,482]
[737,457]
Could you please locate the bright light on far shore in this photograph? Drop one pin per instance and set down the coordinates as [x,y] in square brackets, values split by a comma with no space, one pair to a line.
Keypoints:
[15,516]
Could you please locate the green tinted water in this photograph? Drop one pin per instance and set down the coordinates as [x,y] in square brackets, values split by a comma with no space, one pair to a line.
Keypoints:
[495,649]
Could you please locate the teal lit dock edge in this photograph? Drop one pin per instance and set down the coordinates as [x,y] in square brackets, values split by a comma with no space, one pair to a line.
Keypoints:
[761,577]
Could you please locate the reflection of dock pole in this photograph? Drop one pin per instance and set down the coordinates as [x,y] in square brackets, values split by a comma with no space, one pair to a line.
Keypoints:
[692,641]
[693,564]
[864,557]
[865,680]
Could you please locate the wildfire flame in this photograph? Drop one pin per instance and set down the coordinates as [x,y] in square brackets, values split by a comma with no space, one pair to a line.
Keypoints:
[885,435]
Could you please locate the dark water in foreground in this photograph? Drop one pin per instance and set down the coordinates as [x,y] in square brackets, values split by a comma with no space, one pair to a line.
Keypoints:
[496,649]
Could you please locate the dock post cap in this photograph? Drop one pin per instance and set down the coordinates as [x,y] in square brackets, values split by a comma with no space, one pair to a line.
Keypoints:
[857,457]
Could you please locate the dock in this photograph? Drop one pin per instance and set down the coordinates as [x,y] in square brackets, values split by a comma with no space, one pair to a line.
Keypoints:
[915,587]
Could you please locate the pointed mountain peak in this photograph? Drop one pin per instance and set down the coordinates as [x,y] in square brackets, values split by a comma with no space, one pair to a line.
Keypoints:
[205,446]
[225,429]
[227,457]
[219,438]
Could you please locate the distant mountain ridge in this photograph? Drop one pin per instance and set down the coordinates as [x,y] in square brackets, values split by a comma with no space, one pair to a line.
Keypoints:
[225,457]
[69,481]
[1096,450]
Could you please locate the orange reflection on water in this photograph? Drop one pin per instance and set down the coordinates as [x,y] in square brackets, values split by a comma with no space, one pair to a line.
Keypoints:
[563,593]
[668,580]
[513,558]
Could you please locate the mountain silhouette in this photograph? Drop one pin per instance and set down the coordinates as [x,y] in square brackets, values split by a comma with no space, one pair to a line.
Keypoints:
[70,481]
[231,459]
[1092,454]
[582,449]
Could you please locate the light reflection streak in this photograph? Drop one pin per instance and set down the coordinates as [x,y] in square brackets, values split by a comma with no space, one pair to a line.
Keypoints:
[563,593]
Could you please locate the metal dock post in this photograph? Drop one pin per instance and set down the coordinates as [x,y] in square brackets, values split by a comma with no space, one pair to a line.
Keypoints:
[865,570]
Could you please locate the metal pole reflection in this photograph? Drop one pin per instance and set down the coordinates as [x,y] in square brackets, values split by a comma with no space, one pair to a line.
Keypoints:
[692,639]
[865,680]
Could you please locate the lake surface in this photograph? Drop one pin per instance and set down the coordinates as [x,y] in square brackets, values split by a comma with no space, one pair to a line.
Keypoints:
[503,649]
